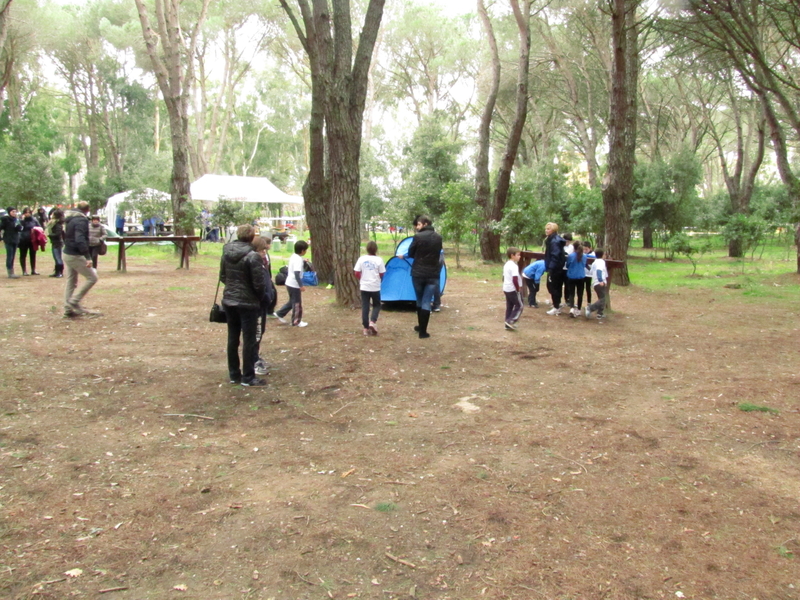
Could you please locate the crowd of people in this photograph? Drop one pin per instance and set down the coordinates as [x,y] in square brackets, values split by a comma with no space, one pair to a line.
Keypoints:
[75,241]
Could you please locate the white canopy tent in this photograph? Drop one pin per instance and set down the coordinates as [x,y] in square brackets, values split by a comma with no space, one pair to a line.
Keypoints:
[117,199]
[210,188]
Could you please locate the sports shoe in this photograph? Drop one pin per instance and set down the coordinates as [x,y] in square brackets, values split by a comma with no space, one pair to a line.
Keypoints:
[280,318]
[534,305]
[256,382]
[373,328]
[554,311]
[510,326]
[261,367]
[575,312]
[601,317]
[367,331]
[235,380]
[587,311]
[437,309]
[301,324]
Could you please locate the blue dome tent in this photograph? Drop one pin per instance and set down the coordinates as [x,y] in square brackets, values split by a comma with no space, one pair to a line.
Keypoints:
[396,285]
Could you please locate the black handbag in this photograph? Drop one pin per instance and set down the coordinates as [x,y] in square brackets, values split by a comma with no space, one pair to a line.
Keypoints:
[218,314]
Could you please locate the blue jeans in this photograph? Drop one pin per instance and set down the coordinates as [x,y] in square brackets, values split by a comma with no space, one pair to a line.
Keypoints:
[242,322]
[11,253]
[425,288]
[59,260]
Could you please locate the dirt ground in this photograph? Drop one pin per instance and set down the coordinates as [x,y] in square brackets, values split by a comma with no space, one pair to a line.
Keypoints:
[588,460]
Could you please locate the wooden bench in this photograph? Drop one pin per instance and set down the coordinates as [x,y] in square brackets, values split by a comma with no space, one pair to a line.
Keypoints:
[181,241]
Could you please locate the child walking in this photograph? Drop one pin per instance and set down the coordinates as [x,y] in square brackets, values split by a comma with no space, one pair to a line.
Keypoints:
[599,284]
[532,276]
[97,235]
[511,288]
[295,287]
[369,271]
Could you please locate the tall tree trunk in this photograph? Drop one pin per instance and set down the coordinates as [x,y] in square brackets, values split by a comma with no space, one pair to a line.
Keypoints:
[482,180]
[490,239]
[618,188]
[174,72]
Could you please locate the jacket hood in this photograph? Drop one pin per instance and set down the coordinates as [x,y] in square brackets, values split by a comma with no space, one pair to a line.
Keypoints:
[235,251]
[74,212]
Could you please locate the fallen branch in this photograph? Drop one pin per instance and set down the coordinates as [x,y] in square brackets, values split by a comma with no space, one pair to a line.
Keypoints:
[341,408]
[116,589]
[400,560]
[189,415]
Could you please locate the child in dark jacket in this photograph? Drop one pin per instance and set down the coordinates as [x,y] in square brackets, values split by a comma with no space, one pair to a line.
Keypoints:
[262,246]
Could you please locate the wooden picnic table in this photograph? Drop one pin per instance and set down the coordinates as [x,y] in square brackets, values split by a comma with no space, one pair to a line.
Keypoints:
[181,241]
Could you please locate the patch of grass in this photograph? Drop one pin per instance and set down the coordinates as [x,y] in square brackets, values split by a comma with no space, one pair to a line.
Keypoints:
[483,475]
[668,397]
[784,552]
[385,506]
[445,367]
[748,407]
[390,422]
[177,288]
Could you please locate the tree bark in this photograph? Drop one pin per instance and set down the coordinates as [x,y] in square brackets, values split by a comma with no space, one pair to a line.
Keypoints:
[618,185]
[174,73]
[482,180]
[490,239]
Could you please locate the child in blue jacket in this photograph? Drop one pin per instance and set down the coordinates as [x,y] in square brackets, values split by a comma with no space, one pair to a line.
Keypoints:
[532,276]
[576,279]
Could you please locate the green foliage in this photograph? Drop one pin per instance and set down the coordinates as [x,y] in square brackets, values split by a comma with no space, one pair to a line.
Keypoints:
[148,203]
[460,216]
[372,172]
[586,211]
[750,230]
[430,163]
[680,243]
[748,407]
[230,212]
[96,190]
[385,506]
[666,193]
[29,177]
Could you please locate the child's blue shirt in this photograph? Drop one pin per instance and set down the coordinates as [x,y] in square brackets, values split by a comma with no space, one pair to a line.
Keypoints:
[534,271]
[576,269]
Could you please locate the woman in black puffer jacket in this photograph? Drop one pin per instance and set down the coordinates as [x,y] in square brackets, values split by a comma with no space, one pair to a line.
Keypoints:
[554,261]
[242,272]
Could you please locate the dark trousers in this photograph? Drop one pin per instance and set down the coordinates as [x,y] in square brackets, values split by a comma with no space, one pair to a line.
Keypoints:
[533,289]
[242,322]
[587,283]
[11,253]
[295,304]
[375,299]
[23,255]
[575,291]
[261,325]
[555,285]
[94,251]
[513,306]
[598,306]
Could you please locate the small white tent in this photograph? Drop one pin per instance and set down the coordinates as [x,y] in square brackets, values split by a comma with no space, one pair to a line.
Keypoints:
[211,188]
[117,199]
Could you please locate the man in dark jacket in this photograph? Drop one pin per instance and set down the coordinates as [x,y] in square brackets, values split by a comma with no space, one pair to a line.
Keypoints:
[241,270]
[78,260]
[425,249]
[10,227]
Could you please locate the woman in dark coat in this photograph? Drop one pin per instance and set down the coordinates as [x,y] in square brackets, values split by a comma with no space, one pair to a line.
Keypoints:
[26,241]
[554,261]
[241,270]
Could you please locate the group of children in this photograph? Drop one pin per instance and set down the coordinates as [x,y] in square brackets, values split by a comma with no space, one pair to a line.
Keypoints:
[580,278]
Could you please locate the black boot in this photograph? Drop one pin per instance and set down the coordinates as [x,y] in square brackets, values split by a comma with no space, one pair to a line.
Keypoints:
[424,317]
[416,327]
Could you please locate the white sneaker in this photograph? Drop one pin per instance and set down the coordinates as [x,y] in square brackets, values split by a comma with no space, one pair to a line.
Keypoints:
[575,312]
[261,367]
[280,318]
[302,324]
[554,311]
[587,311]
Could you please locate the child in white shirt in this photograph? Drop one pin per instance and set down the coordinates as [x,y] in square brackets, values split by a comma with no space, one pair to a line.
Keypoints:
[599,284]
[295,287]
[369,271]
[511,287]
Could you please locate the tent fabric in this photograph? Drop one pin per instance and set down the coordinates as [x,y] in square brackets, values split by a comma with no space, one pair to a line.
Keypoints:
[114,201]
[211,188]
[396,285]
